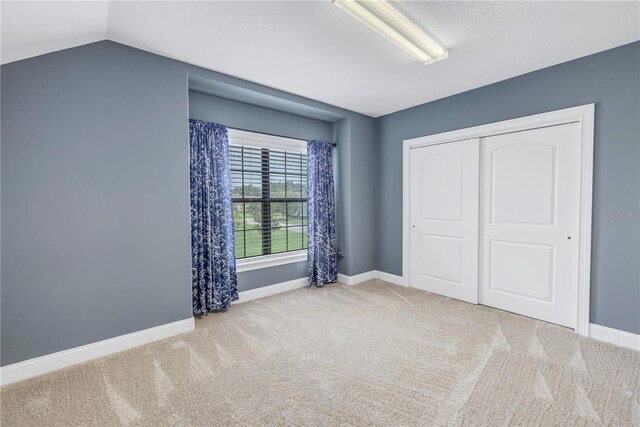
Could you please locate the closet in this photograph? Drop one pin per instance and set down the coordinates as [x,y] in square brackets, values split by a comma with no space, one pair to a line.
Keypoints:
[495,220]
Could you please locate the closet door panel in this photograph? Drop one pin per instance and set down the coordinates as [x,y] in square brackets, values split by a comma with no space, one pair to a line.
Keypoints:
[444,219]
[530,222]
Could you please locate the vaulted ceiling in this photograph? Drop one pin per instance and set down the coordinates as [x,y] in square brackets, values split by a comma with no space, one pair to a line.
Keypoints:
[314,49]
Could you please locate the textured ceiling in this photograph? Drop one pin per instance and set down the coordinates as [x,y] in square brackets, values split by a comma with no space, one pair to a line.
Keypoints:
[315,50]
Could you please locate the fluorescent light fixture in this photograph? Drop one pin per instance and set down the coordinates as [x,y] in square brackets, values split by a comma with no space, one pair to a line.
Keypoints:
[384,19]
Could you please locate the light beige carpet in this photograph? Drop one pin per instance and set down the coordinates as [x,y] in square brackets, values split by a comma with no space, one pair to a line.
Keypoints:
[371,354]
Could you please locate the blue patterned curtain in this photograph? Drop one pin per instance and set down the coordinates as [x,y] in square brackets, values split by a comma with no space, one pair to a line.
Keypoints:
[213,263]
[322,259]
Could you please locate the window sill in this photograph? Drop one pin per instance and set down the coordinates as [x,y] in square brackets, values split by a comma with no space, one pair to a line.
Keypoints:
[270,261]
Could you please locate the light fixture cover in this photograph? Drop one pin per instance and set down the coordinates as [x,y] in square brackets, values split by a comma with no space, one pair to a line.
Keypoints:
[383,18]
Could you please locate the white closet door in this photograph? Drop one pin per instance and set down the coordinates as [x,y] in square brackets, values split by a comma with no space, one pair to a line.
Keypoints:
[530,222]
[444,219]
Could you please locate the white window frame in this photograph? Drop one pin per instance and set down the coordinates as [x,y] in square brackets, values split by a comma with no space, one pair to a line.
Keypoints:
[273,260]
[260,140]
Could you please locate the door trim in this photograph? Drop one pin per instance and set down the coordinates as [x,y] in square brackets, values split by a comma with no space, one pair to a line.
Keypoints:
[583,114]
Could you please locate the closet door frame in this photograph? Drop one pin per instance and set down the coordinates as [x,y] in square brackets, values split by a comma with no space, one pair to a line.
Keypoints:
[583,114]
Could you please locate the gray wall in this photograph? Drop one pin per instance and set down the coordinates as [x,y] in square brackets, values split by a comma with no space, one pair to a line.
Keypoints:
[95,198]
[257,119]
[363,197]
[356,152]
[610,79]
[95,185]
[95,192]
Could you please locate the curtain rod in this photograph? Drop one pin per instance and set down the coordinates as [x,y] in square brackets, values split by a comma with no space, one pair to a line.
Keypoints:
[333,144]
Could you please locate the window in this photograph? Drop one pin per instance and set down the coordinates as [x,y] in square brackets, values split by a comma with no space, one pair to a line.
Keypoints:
[269,194]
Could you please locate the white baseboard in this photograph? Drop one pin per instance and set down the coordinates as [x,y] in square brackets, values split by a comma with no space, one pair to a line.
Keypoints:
[62,359]
[614,336]
[266,291]
[51,362]
[358,278]
[391,278]
[598,332]
[344,279]
[373,274]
